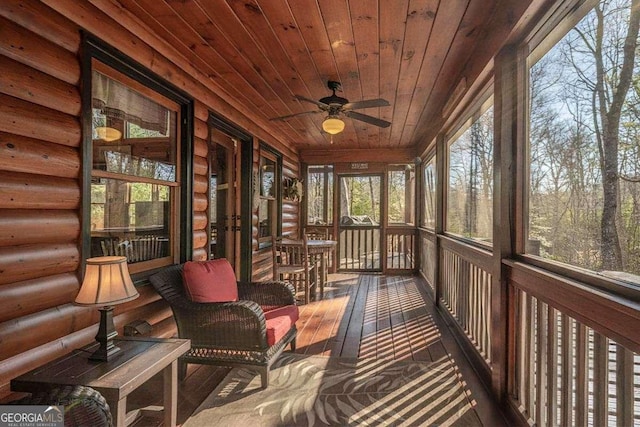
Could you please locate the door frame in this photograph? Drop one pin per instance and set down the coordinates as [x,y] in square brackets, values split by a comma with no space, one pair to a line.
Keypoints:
[243,160]
[381,223]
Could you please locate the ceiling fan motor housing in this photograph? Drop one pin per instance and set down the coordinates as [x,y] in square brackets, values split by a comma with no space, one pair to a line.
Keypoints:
[334,100]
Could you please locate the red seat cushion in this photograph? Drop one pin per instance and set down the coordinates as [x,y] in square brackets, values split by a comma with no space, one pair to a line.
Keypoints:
[279,321]
[210,281]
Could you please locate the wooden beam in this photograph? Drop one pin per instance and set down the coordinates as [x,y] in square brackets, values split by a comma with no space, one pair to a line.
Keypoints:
[504,211]
[27,83]
[329,156]
[22,154]
[28,191]
[27,119]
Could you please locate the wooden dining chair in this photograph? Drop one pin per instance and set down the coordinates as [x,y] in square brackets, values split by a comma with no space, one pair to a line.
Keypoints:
[316,233]
[291,263]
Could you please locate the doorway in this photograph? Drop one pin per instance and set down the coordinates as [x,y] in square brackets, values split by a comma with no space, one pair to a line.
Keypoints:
[360,222]
[224,206]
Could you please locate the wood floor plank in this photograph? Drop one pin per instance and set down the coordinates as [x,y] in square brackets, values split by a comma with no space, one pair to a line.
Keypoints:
[343,323]
[405,324]
[332,309]
[308,325]
[384,334]
[368,340]
[351,345]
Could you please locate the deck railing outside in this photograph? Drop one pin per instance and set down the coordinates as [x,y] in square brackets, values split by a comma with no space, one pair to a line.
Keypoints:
[359,248]
[427,258]
[568,374]
[466,293]
[401,248]
[565,371]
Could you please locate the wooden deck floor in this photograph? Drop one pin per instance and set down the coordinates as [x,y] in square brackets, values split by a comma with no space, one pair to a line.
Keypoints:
[362,315]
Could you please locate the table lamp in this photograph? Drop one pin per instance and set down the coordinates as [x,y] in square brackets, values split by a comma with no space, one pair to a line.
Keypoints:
[106,283]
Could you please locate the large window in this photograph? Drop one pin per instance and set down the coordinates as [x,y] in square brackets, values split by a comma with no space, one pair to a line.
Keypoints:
[401,194]
[134,174]
[584,145]
[429,194]
[470,195]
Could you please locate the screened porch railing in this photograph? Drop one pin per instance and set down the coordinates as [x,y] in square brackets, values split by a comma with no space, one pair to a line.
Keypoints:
[401,249]
[567,373]
[359,248]
[466,293]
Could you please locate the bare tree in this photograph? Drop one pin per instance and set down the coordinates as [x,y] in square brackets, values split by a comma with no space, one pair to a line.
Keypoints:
[613,75]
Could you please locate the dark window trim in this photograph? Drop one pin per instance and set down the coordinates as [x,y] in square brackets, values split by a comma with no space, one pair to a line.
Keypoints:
[94,48]
[264,147]
[327,169]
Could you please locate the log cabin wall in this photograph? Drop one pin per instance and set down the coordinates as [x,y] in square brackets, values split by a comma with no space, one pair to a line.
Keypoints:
[200,182]
[41,169]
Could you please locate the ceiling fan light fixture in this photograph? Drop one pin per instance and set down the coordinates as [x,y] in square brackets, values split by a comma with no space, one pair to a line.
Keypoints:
[333,125]
[108,134]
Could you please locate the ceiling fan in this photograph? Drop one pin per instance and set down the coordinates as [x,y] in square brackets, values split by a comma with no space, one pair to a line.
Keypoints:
[335,106]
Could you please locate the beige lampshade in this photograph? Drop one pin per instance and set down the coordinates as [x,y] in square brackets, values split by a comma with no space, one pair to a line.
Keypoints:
[108,134]
[333,125]
[106,282]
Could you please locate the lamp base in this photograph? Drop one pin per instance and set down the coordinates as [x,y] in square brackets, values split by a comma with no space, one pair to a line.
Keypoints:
[106,333]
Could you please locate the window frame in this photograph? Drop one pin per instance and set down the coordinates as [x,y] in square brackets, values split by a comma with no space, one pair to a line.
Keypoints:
[483,101]
[274,202]
[555,25]
[146,82]
[411,210]
[431,159]
[327,191]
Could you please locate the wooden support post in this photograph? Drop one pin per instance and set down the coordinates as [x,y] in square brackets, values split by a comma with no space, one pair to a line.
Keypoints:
[441,182]
[504,209]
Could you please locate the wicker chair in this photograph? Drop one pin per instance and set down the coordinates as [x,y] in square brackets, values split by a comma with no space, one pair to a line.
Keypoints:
[83,406]
[228,333]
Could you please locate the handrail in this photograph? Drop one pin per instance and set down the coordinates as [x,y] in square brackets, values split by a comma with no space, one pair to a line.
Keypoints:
[614,316]
[574,348]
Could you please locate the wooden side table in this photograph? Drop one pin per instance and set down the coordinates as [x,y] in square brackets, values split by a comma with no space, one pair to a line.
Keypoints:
[139,359]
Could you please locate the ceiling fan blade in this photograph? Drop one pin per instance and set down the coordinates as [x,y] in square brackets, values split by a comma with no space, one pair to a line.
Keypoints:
[321,105]
[367,119]
[378,102]
[288,116]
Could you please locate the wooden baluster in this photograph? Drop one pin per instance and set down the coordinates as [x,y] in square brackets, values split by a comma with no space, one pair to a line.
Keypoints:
[529,367]
[600,379]
[624,386]
[566,405]
[552,366]
[582,396]
[541,365]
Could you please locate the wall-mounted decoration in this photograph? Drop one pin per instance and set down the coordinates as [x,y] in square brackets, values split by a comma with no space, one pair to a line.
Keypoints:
[292,189]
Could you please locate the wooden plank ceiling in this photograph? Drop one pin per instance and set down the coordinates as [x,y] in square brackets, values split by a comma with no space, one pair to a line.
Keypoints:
[261,53]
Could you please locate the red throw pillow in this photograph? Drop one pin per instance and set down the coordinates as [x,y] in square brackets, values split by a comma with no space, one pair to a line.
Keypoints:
[210,281]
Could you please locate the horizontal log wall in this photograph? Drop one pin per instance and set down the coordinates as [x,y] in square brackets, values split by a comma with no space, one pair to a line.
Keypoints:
[39,188]
[41,169]
[200,184]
